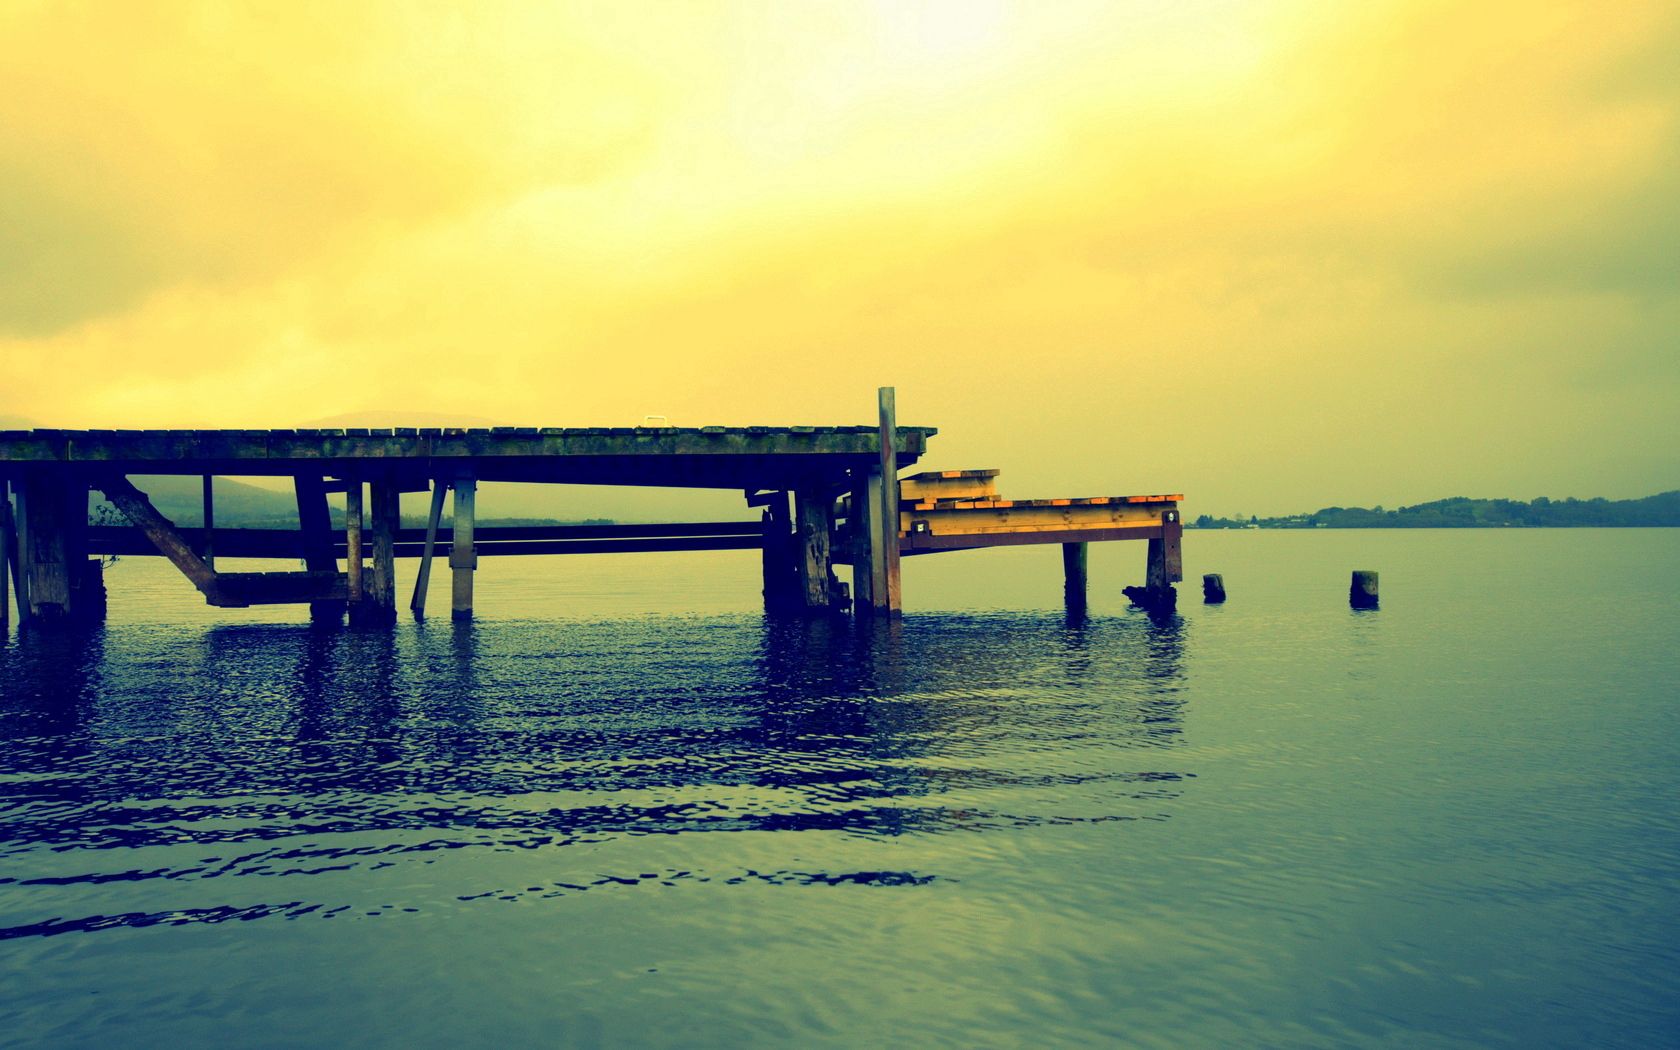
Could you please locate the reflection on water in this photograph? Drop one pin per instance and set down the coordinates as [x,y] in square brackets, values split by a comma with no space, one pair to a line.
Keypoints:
[222,756]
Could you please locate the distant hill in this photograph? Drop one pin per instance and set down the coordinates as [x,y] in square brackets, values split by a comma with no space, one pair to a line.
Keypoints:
[1462,512]
[180,499]
[389,418]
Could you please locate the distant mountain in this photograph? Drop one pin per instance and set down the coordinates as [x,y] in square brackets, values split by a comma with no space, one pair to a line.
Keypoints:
[389,418]
[16,422]
[180,498]
[1462,512]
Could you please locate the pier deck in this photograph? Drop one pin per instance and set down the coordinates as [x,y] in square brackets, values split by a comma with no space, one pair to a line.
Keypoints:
[826,495]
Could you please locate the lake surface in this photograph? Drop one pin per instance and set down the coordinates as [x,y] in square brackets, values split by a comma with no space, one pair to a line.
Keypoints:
[623,810]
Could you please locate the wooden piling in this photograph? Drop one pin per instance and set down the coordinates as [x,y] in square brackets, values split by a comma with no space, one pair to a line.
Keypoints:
[209,551]
[353,541]
[1074,560]
[315,529]
[423,576]
[55,541]
[463,559]
[5,556]
[814,513]
[886,589]
[1362,590]
[1213,588]
[863,507]
[379,599]
[783,590]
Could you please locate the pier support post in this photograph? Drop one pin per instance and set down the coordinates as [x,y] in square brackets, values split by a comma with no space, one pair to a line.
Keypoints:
[423,575]
[814,513]
[1074,558]
[782,587]
[463,559]
[886,592]
[315,529]
[865,503]
[5,557]
[209,551]
[378,606]
[1165,567]
[58,584]
[353,543]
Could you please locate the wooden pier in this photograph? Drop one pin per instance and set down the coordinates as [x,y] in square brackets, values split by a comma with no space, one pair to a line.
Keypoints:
[826,496]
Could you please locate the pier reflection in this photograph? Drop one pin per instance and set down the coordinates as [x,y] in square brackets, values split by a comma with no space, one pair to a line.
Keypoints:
[248,742]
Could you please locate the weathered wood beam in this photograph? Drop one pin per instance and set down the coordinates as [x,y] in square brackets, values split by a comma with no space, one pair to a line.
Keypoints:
[5,557]
[463,559]
[379,588]
[353,543]
[886,589]
[814,519]
[423,577]
[781,573]
[316,540]
[861,502]
[137,508]
[209,547]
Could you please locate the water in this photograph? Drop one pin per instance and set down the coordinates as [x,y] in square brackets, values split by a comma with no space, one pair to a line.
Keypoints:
[620,810]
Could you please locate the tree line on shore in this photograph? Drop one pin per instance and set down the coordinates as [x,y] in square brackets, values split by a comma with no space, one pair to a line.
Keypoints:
[1462,512]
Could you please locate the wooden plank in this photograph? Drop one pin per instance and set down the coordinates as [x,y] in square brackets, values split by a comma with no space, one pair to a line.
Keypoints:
[239,589]
[137,508]
[814,516]
[463,559]
[948,484]
[423,577]
[930,542]
[984,519]
[887,588]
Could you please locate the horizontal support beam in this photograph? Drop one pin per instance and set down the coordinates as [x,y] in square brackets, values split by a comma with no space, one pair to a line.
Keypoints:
[492,540]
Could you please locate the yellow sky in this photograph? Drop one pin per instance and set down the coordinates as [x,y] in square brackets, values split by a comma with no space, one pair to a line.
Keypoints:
[1274,255]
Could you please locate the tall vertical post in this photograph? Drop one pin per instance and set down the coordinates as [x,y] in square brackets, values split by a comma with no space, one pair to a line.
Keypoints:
[315,529]
[20,550]
[865,507]
[463,558]
[353,540]
[423,576]
[5,557]
[1074,557]
[379,590]
[814,515]
[781,575]
[1166,564]
[209,552]
[885,589]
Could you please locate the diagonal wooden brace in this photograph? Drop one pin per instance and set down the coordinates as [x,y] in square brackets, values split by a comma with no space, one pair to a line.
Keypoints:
[161,531]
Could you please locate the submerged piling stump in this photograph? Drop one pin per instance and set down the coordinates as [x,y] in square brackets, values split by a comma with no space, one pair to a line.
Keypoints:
[1362,591]
[1213,588]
